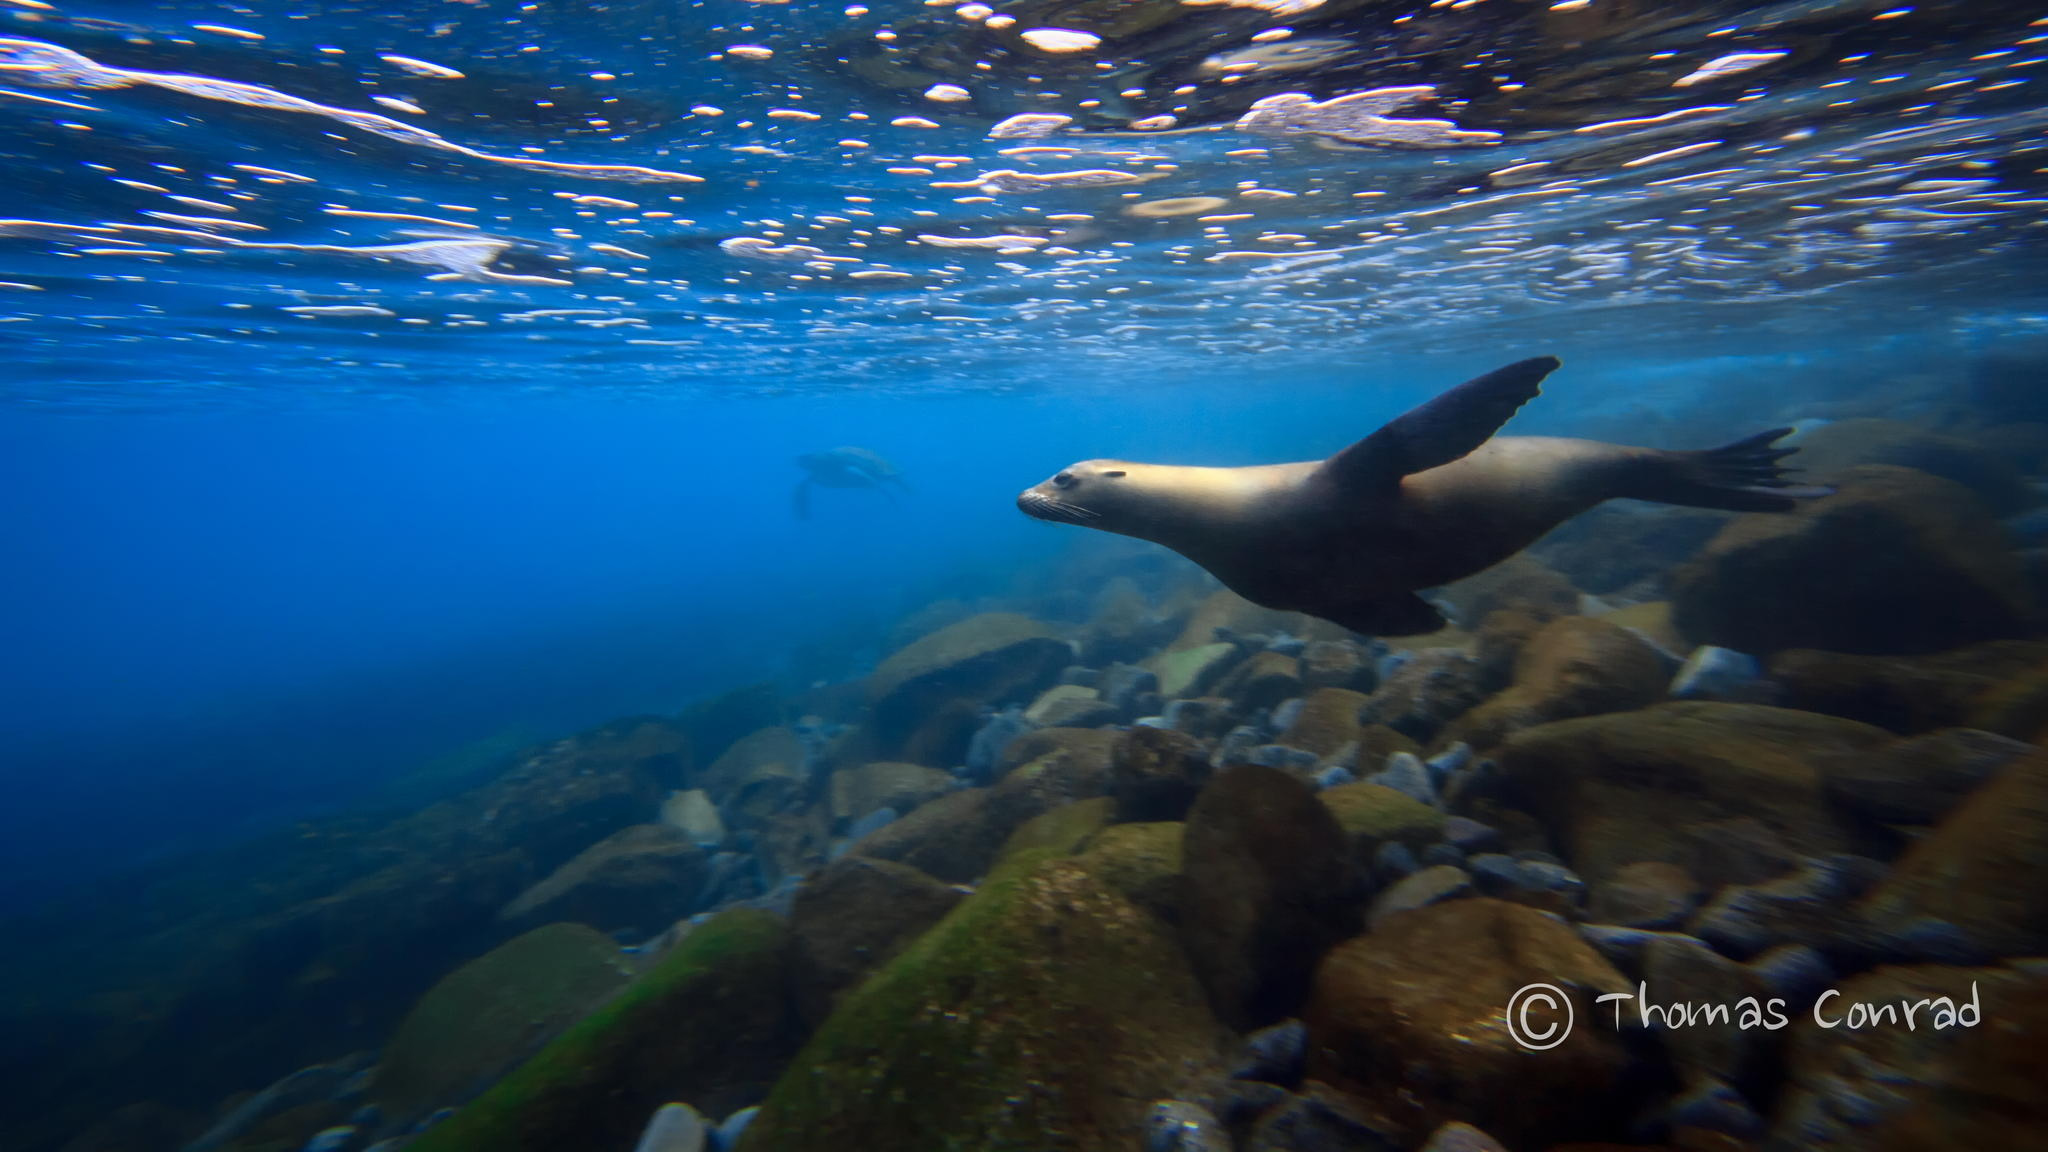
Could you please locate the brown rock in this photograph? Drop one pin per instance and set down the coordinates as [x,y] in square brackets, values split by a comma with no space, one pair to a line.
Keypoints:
[1886,1087]
[1905,694]
[1262,681]
[1141,861]
[1412,1020]
[1803,579]
[1075,768]
[1376,742]
[1434,687]
[1335,664]
[1829,451]
[1680,974]
[1155,773]
[636,881]
[1521,581]
[1983,869]
[1575,666]
[953,837]
[1623,788]
[1501,637]
[855,792]
[1266,889]
[1648,894]
[1328,720]
[993,658]
[852,918]
[1918,780]
[761,773]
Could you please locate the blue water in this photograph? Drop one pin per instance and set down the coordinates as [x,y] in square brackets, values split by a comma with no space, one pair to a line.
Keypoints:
[389,387]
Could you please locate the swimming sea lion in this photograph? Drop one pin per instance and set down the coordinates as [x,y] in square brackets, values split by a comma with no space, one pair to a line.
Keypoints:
[1431,497]
[843,468]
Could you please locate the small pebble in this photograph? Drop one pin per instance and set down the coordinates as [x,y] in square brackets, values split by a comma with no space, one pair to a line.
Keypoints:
[1178,1126]
[1712,673]
[1393,860]
[1437,854]
[1458,1136]
[727,1137]
[1275,1054]
[1407,774]
[331,1139]
[674,1128]
[1333,775]
[1469,834]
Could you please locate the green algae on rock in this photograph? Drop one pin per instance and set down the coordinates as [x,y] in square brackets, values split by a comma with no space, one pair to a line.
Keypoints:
[990,658]
[486,1015]
[710,1023]
[1044,1014]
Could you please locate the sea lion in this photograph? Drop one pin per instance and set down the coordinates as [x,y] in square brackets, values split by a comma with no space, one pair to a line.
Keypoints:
[1431,497]
[843,468]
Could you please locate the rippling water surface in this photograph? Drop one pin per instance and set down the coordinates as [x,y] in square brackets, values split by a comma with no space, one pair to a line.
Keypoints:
[210,200]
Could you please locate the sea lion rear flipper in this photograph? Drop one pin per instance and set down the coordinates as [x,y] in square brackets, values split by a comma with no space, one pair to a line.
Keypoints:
[1745,476]
[1397,614]
[1441,430]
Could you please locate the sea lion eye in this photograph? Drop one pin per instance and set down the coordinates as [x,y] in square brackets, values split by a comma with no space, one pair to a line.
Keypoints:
[1063,480]
[1115,474]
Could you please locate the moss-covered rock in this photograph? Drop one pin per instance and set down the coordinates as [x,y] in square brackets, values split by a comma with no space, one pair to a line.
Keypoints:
[1044,1014]
[1373,814]
[636,881]
[1062,830]
[492,1012]
[993,658]
[1521,581]
[1190,671]
[1574,666]
[1155,773]
[1633,786]
[1141,861]
[851,918]
[1412,1021]
[709,1023]
[855,792]
[1832,449]
[762,772]
[1805,579]
[1328,720]
[953,837]
[1909,693]
[1262,681]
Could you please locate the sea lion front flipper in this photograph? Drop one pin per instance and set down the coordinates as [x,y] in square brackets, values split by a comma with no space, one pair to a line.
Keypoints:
[1395,614]
[1441,430]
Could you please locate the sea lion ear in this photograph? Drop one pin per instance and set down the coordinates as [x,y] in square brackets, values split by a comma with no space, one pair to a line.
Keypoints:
[1439,431]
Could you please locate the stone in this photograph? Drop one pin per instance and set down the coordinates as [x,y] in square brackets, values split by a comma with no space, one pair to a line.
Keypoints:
[1433,885]
[1651,621]
[692,813]
[991,741]
[855,792]
[1155,774]
[1328,721]
[1712,673]
[1537,883]
[1828,451]
[1276,1054]
[1064,829]
[1458,1136]
[1919,780]
[1711,1105]
[1141,862]
[673,1128]
[1974,1083]
[1575,666]
[993,658]
[1262,681]
[1412,1020]
[1624,788]
[988,1032]
[850,919]
[1318,1120]
[1773,581]
[1812,906]
[634,882]
[1408,775]
[1983,869]
[1335,664]
[1069,765]
[953,837]
[1646,894]
[1178,1126]
[1501,638]
[1905,694]
[760,771]
[1064,700]
[1373,815]
[1682,975]
[1124,685]
[1191,671]
[1203,717]
[1430,689]
[710,1021]
[1266,889]
[1519,582]
[1795,973]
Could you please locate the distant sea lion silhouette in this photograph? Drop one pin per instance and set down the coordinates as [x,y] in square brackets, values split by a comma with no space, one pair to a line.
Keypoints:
[1431,497]
[843,468]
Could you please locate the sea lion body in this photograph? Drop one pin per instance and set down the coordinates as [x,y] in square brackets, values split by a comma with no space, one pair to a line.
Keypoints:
[843,468]
[1430,498]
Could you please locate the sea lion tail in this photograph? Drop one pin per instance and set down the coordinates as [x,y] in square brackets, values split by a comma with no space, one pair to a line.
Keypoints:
[1745,476]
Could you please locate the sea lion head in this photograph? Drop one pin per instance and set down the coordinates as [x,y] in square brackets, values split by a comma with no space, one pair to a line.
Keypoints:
[1092,493]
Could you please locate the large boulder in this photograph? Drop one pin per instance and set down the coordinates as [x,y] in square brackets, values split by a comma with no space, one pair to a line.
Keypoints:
[1983,869]
[1327,721]
[993,658]
[1966,1072]
[1911,693]
[1521,581]
[1919,779]
[954,837]
[1829,451]
[855,792]
[1426,691]
[1663,783]
[852,918]
[1046,1012]
[1418,1022]
[1574,666]
[759,775]
[491,1013]
[710,1023]
[1267,889]
[1155,773]
[1810,578]
[635,882]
